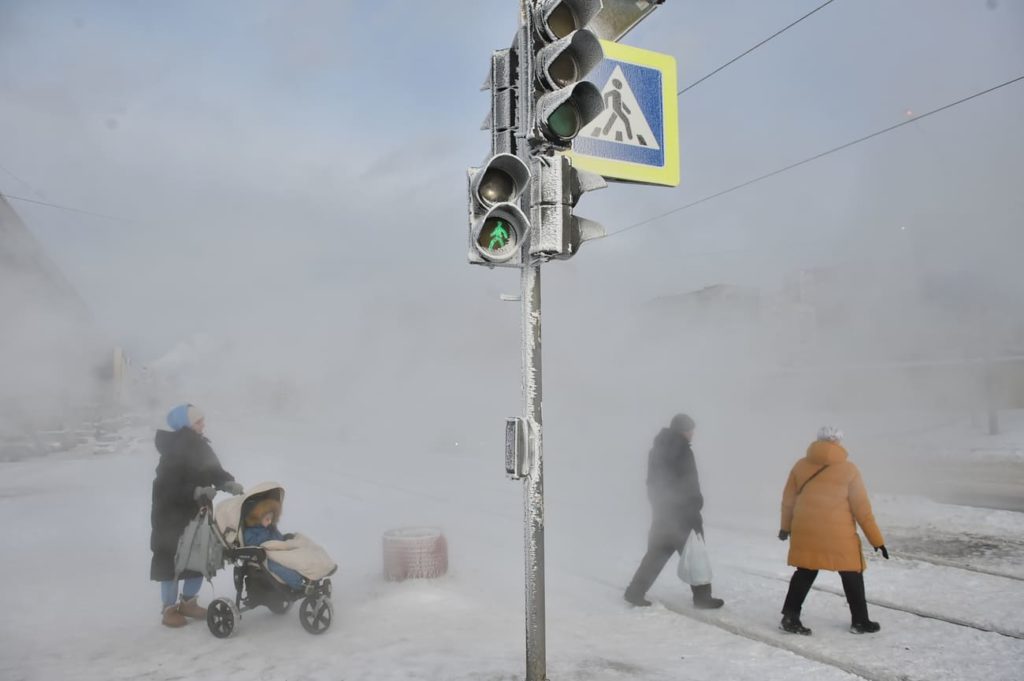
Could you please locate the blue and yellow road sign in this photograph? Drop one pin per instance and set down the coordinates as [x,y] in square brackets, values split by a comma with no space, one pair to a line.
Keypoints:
[636,138]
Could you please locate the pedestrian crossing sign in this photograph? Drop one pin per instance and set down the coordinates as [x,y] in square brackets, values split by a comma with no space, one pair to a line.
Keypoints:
[636,138]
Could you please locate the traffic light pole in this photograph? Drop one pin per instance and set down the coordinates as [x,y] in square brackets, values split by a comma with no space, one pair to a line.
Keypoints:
[533,487]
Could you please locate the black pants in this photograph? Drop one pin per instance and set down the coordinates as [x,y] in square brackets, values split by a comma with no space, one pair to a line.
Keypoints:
[853,586]
[660,548]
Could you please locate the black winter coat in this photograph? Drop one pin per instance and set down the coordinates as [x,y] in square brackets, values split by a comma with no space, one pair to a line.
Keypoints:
[186,461]
[673,487]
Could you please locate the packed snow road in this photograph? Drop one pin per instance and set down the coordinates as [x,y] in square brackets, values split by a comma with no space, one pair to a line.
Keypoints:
[85,609]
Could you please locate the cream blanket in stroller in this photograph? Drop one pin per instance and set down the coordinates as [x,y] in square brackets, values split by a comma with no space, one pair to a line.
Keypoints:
[299,553]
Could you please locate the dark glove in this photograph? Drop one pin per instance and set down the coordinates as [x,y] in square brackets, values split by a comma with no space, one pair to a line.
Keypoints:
[290,535]
[204,493]
[232,487]
[885,552]
[783,535]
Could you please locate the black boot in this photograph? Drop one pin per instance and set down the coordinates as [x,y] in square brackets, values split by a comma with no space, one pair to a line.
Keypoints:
[865,627]
[702,599]
[638,601]
[853,585]
[793,625]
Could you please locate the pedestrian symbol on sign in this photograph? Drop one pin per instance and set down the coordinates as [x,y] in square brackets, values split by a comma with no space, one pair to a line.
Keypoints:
[636,137]
[623,120]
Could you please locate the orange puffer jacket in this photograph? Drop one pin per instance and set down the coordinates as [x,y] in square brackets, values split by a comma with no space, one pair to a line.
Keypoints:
[821,517]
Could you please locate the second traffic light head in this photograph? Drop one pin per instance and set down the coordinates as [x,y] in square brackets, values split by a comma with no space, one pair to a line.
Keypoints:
[564,51]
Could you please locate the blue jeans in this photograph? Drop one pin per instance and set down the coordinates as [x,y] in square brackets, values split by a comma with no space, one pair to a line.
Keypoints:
[169,590]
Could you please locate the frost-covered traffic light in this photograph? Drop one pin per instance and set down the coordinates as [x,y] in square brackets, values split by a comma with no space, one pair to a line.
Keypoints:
[562,51]
[498,227]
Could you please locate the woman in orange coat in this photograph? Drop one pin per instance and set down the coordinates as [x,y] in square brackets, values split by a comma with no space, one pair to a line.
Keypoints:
[824,496]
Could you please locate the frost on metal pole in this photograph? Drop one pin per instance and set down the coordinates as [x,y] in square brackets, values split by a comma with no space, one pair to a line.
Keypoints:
[556,52]
[521,201]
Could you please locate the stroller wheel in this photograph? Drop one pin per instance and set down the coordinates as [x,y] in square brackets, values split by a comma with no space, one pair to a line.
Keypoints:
[221,617]
[316,614]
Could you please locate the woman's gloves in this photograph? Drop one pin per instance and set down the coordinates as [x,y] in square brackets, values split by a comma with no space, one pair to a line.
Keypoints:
[206,493]
[233,487]
[885,552]
[783,535]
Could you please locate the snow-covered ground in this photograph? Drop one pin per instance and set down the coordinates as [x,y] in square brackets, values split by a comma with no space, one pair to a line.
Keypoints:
[74,579]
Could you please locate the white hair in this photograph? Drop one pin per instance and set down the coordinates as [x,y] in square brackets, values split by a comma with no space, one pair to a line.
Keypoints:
[830,434]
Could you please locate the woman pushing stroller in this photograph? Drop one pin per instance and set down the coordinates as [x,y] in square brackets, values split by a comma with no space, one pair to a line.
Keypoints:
[187,476]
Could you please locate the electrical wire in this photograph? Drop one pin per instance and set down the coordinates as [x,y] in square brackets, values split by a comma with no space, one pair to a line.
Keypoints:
[70,209]
[744,54]
[815,157]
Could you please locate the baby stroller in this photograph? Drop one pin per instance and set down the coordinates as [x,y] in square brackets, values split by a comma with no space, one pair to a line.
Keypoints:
[255,584]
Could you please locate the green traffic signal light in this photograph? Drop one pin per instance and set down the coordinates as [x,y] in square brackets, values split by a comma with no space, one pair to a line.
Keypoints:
[564,121]
[496,236]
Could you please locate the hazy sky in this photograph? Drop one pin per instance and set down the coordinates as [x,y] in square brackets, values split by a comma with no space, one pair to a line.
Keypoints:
[292,164]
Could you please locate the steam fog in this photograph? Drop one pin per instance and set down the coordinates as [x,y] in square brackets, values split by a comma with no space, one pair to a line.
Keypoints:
[270,223]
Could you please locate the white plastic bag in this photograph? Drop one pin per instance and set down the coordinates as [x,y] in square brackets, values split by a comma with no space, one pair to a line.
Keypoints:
[694,563]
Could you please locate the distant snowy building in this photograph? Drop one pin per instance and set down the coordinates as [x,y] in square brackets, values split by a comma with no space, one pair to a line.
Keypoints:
[54,364]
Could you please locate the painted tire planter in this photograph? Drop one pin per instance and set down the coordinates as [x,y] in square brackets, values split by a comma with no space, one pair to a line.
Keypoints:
[414,553]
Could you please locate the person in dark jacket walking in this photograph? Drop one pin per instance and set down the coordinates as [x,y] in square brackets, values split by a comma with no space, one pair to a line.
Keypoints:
[673,489]
[187,476]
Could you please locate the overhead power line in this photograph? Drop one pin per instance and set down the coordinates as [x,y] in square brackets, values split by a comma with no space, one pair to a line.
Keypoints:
[809,159]
[70,209]
[744,54]
[18,179]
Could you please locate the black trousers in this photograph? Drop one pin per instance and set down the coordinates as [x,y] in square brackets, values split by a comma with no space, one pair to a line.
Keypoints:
[853,585]
[660,547]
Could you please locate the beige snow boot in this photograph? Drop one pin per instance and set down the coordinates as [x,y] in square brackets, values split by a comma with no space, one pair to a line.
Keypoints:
[189,607]
[173,618]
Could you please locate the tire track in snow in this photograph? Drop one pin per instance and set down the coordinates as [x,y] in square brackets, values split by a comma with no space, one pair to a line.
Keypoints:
[704,617]
[944,656]
[885,603]
[753,635]
[958,566]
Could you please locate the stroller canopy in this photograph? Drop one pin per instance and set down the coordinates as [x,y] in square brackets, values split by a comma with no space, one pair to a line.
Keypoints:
[230,513]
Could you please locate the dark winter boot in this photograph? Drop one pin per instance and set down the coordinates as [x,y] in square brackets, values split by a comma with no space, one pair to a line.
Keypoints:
[792,624]
[702,599]
[638,601]
[172,618]
[865,627]
[189,607]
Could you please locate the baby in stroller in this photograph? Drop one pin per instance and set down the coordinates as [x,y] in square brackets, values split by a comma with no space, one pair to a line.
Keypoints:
[261,526]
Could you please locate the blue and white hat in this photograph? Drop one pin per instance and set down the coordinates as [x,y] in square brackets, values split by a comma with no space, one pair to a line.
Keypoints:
[184,416]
